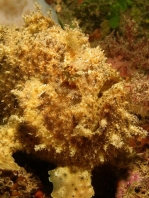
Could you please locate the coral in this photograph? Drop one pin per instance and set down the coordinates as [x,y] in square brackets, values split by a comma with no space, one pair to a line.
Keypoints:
[71,183]
[136,183]
[127,185]
[127,51]
[60,100]
[17,183]
[102,16]
[14,180]
[128,54]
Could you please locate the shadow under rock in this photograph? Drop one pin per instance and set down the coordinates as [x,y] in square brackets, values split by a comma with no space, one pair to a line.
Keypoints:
[38,168]
[104,180]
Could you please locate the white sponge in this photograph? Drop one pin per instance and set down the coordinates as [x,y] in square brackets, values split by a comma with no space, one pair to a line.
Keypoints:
[71,183]
[45,8]
[11,11]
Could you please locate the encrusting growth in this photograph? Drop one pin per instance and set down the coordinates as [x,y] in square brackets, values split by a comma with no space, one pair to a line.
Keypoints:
[70,104]
[71,183]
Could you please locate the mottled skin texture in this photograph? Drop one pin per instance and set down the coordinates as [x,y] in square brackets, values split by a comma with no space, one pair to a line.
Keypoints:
[71,106]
